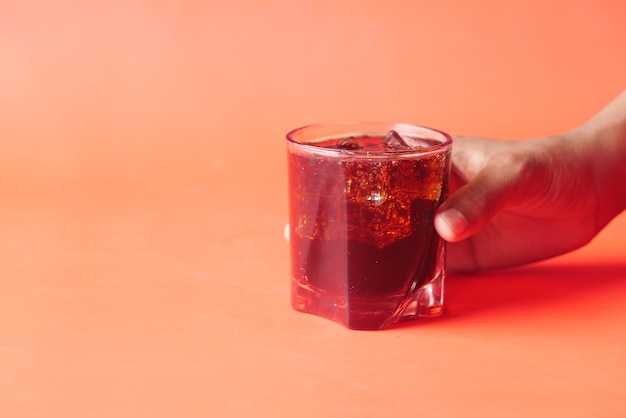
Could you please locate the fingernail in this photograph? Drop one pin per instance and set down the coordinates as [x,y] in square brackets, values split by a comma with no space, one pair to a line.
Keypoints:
[454,223]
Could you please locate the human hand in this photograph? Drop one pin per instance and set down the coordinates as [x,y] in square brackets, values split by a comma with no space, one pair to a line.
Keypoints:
[517,202]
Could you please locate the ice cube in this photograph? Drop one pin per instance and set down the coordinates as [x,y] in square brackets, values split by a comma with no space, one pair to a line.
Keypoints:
[350,143]
[395,142]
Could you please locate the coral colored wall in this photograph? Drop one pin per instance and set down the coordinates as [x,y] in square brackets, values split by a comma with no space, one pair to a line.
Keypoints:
[209,70]
[135,82]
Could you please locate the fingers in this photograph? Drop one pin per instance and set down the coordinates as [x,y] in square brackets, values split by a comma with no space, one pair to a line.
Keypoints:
[505,181]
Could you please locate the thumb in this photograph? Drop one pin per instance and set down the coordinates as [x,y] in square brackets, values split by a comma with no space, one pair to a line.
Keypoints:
[472,206]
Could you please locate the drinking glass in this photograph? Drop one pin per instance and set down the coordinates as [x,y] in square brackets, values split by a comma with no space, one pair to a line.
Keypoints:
[362,196]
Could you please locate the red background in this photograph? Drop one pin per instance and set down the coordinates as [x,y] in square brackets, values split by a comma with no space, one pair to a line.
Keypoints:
[143,270]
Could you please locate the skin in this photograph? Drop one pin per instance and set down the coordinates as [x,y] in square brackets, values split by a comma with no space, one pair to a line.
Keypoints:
[517,202]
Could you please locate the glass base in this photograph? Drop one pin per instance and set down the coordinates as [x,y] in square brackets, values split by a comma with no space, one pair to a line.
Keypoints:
[368,312]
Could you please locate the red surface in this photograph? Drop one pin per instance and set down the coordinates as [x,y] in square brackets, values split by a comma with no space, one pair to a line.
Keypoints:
[143,270]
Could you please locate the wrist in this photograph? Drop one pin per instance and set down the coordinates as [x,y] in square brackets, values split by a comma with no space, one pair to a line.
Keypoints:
[604,151]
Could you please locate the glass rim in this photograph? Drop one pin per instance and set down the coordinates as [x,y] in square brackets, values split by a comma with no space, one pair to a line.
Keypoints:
[352,128]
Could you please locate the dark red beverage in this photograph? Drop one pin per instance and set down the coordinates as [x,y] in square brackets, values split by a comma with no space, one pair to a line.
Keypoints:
[362,239]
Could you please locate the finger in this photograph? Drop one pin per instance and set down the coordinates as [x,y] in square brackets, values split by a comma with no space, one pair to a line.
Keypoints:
[286,232]
[505,181]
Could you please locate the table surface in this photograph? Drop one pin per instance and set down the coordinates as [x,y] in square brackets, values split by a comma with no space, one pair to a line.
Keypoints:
[143,270]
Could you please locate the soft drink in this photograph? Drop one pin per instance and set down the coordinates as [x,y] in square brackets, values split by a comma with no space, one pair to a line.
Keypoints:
[362,238]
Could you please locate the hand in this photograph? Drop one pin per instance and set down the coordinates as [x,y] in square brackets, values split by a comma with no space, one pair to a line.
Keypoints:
[517,202]
[513,203]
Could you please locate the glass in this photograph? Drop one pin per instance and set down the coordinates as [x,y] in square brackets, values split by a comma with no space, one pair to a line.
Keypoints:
[364,252]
